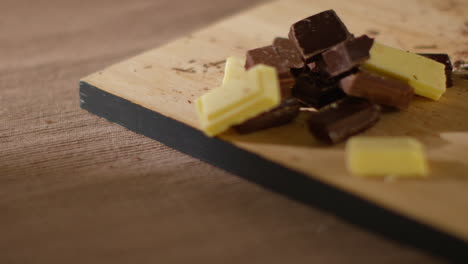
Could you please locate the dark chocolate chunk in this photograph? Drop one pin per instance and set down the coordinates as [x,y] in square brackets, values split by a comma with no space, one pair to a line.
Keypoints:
[317,33]
[343,119]
[347,55]
[444,59]
[316,91]
[378,89]
[280,115]
[288,51]
[267,55]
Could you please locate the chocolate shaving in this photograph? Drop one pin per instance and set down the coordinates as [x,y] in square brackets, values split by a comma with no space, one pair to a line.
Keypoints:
[188,70]
[433,46]
[373,32]
[216,63]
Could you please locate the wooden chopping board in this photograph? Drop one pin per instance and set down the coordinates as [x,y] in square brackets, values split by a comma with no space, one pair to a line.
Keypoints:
[168,79]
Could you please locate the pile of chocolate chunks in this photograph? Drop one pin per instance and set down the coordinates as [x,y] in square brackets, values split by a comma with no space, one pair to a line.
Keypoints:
[319,70]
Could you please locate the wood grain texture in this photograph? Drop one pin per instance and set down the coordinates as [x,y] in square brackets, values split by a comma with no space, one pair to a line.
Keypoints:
[77,189]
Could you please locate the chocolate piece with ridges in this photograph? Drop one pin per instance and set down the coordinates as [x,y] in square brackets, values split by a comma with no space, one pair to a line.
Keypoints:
[316,91]
[280,115]
[378,89]
[347,55]
[343,119]
[444,59]
[317,33]
[288,51]
[267,55]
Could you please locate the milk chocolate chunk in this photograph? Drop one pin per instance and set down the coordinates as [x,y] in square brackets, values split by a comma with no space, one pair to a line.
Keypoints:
[316,91]
[288,51]
[268,56]
[317,33]
[444,59]
[280,115]
[347,55]
[378,89]
[343,119]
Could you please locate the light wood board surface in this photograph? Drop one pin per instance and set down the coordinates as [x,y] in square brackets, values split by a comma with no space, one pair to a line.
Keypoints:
[75,188]
[155,81]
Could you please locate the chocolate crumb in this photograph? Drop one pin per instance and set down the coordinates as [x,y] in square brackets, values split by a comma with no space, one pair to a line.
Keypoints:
[460,65]
[433,46]
[49,122]
[189,101]
[205,65]
[373,32]
[189,70]
[216,63]
[138,158]
[148,67]
[415,77]
[191,61]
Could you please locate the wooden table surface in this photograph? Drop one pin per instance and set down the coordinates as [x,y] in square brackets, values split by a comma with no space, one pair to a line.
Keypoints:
[75,188]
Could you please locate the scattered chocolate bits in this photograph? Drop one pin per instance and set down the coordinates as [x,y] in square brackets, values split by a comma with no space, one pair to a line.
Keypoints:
[432,46]
[216,63]
[188,70]
[324,72]
[373,32]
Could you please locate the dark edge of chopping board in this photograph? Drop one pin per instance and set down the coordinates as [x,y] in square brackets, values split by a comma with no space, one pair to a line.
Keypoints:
[270,175]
